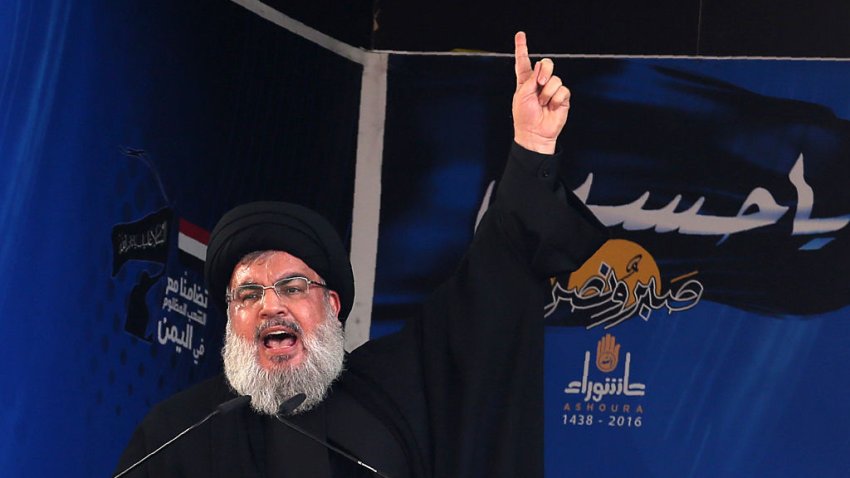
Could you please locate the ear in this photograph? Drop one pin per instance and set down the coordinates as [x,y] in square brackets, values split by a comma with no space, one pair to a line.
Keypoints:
[333,300]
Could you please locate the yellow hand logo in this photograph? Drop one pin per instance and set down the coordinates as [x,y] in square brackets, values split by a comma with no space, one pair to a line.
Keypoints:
[607,353]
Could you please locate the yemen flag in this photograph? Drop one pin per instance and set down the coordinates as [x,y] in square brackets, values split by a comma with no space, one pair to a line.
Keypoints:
[192,243]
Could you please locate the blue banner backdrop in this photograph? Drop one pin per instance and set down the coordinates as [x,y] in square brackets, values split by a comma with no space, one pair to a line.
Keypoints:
[709,337]
[126,129]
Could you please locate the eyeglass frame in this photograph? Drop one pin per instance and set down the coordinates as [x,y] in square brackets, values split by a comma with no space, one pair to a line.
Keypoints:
[228,296]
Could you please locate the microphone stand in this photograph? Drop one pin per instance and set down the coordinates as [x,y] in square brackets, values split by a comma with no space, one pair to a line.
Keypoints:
[291,405]
[225,407]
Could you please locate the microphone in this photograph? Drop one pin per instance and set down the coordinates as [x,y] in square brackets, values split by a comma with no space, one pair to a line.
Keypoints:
[290,405]
[230,405]
[223,408]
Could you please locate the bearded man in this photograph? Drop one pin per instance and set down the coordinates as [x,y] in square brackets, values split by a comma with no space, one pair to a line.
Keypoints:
[456,393]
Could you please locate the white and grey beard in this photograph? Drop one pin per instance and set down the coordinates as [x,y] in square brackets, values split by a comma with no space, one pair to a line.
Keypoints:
[323,363]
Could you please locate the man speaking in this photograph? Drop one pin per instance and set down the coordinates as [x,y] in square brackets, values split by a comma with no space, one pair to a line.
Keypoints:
[456,393]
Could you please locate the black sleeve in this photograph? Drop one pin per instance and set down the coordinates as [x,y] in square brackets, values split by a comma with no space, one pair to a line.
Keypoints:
[552,229]
[204,451]
[467,377]
[134,452]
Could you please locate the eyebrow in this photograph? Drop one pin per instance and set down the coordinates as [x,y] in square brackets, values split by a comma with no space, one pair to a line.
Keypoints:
[291,275]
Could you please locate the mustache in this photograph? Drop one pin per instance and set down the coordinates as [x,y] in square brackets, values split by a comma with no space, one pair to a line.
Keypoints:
[278,322]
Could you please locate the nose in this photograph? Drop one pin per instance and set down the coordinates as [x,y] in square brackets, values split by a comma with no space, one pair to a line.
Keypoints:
[271,303]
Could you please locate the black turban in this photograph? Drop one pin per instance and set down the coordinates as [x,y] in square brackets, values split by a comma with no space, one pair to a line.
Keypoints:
[263,226]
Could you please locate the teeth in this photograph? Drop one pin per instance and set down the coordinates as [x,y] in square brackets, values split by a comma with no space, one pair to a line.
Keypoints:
[279,339]
[278,334]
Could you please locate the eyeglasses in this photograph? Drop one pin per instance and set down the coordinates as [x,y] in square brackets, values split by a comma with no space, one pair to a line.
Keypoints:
[289,288]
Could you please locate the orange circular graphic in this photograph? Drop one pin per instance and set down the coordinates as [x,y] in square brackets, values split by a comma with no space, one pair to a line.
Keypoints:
[627,261]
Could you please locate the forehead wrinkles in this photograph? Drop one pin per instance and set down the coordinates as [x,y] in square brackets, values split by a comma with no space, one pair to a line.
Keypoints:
[254,257]
[255,267]
[270,266]
[254,260]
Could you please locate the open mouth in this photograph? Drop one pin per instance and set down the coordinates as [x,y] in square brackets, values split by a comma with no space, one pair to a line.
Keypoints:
[278,338]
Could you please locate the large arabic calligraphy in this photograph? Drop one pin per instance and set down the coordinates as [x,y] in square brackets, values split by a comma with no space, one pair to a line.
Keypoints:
[759,209]
[607,357]
[610,300]
[611,386]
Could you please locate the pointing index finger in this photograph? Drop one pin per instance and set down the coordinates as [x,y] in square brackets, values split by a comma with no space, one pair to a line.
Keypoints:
[522,64]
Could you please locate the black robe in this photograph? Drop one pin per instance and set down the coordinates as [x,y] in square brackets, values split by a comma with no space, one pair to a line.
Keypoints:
[457,393]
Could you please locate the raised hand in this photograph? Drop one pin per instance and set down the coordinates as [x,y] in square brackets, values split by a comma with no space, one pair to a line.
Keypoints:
[541,102]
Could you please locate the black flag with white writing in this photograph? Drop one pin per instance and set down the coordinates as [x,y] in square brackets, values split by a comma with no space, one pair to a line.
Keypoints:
[144,240]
